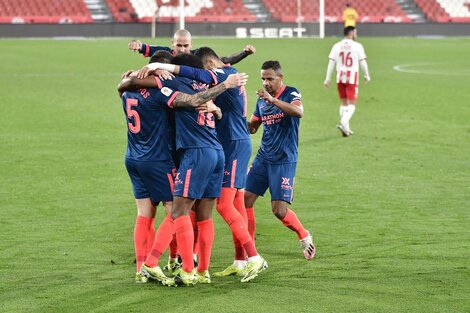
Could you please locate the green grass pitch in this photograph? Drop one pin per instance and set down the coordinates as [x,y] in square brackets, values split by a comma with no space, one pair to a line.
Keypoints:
[389,207]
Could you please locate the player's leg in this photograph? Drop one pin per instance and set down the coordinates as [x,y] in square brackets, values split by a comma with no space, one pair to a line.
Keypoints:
[206,234]
[342,109]
[190,183]
[281,186]
[351,95]
[256,185]
[145,215]
[160,179]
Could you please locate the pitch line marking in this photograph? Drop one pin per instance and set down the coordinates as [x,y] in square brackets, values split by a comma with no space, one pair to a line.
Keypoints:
[411,69]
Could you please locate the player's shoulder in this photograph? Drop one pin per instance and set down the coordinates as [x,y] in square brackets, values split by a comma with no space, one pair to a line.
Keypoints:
[293,93]
[226,70]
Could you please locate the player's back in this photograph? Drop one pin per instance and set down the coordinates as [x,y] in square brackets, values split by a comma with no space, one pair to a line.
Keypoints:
[280,130]
[150,135]
[347,54]
[233,103]
[193,129]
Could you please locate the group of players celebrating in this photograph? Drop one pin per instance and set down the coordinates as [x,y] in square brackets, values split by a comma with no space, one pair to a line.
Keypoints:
[189,147]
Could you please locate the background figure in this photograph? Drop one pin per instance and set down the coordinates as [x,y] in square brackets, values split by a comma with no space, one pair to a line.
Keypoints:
[347,55]
[350,16]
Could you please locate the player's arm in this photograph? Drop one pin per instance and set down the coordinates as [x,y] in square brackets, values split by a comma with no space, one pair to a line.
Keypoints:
[145,49]
[131,83]
[329,71]
[237,57]
[198,74]
[195,100]
[294,108]
[253,124]
[365,70]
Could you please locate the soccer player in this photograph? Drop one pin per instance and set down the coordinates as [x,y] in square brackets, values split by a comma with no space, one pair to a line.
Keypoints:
[279,108]
[347,55]
[182,43]
[199,177]
[233,134]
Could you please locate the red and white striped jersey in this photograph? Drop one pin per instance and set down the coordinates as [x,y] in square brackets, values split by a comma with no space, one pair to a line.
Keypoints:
[347,54]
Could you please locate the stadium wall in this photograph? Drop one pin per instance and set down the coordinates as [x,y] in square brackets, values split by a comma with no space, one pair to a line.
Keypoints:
[250,30]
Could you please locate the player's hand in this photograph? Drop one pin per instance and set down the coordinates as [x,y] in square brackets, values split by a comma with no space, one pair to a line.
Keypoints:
[164,75]
[236,80]
[126,74]
[263,94]
[249,49]
[366,79]
[144,72]
[327,83]
[209,107]
[135,45]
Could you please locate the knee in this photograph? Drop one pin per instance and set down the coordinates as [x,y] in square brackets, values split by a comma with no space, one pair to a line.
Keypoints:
[279,212]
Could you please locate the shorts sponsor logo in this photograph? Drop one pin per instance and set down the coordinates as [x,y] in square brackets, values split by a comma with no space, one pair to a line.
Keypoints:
[285,184]
[178,181]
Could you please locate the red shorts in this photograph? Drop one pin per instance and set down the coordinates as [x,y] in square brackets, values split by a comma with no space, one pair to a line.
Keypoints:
[348,91]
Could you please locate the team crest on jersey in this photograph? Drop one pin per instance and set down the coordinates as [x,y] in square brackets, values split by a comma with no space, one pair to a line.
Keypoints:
[166,91]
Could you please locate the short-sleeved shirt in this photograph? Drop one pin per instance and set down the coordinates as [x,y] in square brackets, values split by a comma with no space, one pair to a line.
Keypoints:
[280,140]
[232,102]
[150,134]
[347,54]
[193,129]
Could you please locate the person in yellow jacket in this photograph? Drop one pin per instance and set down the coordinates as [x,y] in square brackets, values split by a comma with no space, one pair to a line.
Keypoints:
[350,16]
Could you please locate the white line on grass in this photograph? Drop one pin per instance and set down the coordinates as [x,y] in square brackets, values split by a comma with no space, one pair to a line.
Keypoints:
[416,68]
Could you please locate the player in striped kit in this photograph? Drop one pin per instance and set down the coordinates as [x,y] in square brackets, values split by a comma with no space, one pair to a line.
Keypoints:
[347,55]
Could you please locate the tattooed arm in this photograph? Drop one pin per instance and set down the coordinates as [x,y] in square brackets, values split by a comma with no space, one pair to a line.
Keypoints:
[197,99]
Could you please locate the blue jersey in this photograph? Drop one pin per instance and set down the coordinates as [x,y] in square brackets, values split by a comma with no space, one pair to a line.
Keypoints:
[280,131]
[150,135]
[232,102]
[193,129]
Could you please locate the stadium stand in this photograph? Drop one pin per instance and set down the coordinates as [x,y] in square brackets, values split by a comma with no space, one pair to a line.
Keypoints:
[44,11]
[196,11]
[369,11]
[446,11]
[220,11]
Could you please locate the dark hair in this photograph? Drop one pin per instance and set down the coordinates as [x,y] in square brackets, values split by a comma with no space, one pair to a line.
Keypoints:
[187,59]
[274,65]
[161,56]
[206,53]
[348,30]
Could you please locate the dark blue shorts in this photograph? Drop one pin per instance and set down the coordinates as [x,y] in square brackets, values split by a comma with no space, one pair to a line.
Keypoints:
[279,178]
[237,155]
[151,179]
[200,174]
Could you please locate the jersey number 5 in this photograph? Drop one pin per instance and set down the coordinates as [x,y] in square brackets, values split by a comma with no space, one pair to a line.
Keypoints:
[134,126]
[346,60]
[206,119]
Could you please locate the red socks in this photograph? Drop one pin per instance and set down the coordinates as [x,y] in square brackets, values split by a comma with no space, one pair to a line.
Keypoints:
[292,222]
[192,215]
[228,212]
[163,237]
[239,204]
[250,213]
[173,247]
[206,239]
[151,236]
[185,239]
[141,229]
